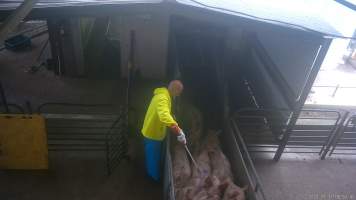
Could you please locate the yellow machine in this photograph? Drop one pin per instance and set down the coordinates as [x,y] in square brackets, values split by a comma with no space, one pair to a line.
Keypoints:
[23,142]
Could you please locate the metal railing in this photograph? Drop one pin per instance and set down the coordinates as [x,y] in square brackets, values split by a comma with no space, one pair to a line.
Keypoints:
[88,131]
[78,132]
[344,141]
[60,107]
[12,108]
[264,129]
[250,167]
[117,142]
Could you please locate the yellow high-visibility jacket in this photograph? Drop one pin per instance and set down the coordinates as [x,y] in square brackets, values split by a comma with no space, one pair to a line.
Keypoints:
[158,115]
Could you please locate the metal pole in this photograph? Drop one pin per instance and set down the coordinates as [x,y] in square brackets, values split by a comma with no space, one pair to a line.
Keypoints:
[258,185]
[335,136]
[332,133]
[15,18]
[319,57]
[130,66]
[336,88]
[3,99]
[339,134]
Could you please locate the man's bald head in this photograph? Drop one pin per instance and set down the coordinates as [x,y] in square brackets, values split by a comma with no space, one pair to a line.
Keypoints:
[175,88]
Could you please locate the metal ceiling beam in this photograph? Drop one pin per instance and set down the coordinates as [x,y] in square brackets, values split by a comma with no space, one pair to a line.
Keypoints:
[15,18]
[347,4]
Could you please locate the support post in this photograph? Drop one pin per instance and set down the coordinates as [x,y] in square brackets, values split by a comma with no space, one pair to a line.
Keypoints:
[3,99]
[318,60]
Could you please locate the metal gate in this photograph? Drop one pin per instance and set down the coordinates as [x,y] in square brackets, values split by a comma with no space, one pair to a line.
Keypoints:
[344,142]
[92,130]
[263,130]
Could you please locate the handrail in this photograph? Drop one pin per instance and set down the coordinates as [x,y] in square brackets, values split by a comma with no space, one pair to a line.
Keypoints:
[288,110]
[40,108]
[346,123]
[258,184]
[18,107]
[273,115]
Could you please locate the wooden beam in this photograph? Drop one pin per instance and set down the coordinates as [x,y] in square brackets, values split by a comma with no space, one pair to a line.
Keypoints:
[15,18]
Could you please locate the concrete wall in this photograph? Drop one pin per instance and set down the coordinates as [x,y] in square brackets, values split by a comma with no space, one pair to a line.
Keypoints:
[151,32]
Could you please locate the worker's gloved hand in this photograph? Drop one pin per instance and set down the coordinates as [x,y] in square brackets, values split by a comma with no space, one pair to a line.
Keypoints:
[175,129]
[181,138]
[180,134]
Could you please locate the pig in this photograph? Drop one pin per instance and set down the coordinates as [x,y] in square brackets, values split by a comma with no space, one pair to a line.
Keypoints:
[220,166]
[203,162]
[213,187]
[211,141]
[208,190]
[212,180]
[181,166]
[180,193]
[194,187]
[234,192]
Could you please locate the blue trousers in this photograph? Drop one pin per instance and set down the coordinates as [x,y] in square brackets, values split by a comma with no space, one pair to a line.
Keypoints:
[153,150]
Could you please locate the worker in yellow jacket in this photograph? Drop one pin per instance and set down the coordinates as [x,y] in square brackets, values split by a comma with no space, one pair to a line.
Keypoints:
[157,118]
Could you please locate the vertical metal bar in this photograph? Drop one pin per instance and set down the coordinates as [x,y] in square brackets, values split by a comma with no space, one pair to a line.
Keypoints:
[319,57]
[333,131]
[336,88]
[107,148]
[53,40]
[130,66]
[339,133]
[3,99]
[258,185]
[334,136]
[29,107]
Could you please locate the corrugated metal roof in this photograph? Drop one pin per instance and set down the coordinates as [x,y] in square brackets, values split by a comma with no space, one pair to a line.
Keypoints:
[311,15]
[307,14]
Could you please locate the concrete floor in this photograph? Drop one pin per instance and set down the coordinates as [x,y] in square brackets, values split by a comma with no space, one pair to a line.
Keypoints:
[74,176]
[306,177]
